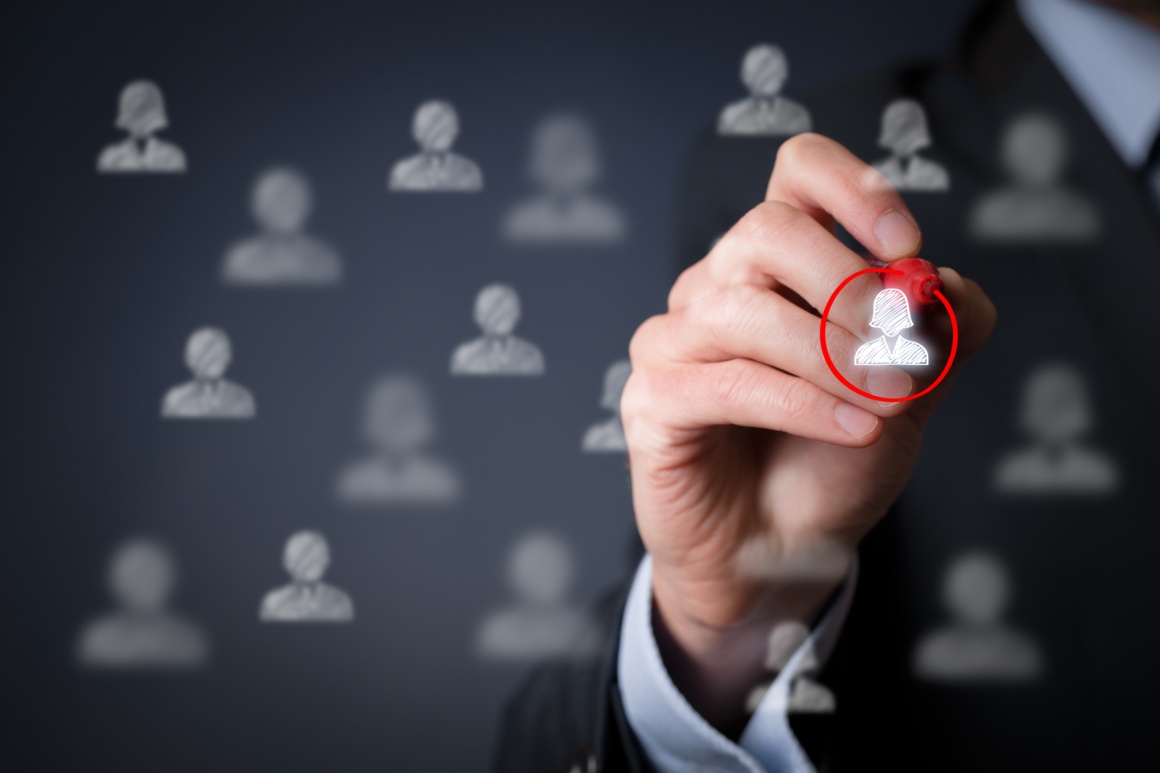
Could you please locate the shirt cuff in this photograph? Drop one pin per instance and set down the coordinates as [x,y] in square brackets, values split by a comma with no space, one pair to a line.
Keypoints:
[675,737]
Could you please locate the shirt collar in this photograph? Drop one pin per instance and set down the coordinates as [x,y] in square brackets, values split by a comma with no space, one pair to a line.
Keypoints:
[1111,61]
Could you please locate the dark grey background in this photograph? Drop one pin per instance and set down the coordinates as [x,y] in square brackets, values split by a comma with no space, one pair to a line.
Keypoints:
[105,277]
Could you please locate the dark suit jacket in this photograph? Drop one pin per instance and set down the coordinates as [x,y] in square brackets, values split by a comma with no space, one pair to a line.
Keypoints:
[1084,570]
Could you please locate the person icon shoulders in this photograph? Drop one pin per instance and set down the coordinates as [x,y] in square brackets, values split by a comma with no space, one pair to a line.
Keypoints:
[306,599]
[497,352]
[765,112]
[565,163]
[904,133]
[891,316]
[540,625]
[141,114]
[141,633]
[1056,414]
[608,436]
[281,203]
[208,396]
[398,424]
[977,646]
[1036,207]
[435,168]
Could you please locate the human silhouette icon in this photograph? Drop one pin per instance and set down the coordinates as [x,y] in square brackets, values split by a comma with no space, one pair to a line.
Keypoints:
[806,694]
[306,599]
[282,254]
[904,133]
[141,632]
[891,316]
[608,436]
[765,112]
[399,426]
[208,396]
[541,624]
[1037,206]
[1055,415]
[977,646]
[564,165]
[435,167]
[141,114]
[497,352]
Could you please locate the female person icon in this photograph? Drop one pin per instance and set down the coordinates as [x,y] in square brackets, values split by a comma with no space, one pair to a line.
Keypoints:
[891,316]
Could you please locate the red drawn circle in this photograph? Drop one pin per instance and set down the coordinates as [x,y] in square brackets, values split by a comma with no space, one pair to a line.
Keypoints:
[864,393]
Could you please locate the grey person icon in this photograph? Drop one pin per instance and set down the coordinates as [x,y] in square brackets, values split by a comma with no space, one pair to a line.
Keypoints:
[399,426]
[904,133]
[282,254]
[497,352]
[141,114]
[806,694]
[891,316]
[306,599]
[565,163]
[435,168]
[209,395]
[141,633]
[608,436]
[540,624]
[977,646]
[1055,414]
[1037,207]
[765,112]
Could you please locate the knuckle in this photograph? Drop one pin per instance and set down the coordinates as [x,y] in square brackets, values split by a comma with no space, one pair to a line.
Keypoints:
[681,288]
[768,222]
[643,342]
[798,147]
[733,312]
[793,399]
[731,384]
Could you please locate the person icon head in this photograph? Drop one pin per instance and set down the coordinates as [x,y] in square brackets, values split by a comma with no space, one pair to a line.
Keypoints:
[784,640]
[281,200]
[764,70]
[306,557]
[497,310]
[540,570]
[141,110]
[564,157]
[142,576]
[1034,150]
[615,379]
[976,590]
[208,353]
[1056,409]
[398,419]
[904,128]
[891,312]
[435,126]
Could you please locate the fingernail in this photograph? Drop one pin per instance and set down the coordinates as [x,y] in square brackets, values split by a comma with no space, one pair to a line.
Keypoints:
[897,234]
[888,382]
[854,420]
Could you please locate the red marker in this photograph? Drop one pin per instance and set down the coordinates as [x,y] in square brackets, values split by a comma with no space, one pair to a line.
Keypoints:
[919,279]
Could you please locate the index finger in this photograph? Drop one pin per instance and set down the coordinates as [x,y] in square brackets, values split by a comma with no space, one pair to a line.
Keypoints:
[823,179]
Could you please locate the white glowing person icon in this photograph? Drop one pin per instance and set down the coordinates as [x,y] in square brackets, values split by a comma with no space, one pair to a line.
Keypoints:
[891,316]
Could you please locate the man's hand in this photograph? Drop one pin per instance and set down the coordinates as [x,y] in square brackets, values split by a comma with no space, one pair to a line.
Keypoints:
[749,459]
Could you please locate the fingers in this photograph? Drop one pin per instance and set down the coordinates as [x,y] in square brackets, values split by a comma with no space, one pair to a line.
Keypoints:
[753,323]
[826,181]
[695,396]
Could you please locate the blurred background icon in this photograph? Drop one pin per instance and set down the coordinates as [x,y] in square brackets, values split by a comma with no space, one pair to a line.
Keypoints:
[608,436]
[141,632]
[1056,414]
[435,168]
[764,112]
[141,114]
[1037,206]
[904,133]
[564,165]
[306,599]
[784,640]
[540,623]
[497,352]
[282,254]
[399,426]
[977,645]
[209,395]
